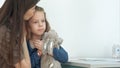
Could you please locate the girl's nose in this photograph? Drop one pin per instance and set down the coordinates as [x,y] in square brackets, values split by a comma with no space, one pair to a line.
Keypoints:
[40,23]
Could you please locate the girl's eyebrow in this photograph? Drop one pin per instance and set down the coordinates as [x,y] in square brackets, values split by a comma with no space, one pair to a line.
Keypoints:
[33,19]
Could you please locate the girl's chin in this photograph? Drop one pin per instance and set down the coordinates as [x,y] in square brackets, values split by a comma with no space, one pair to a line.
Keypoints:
[39,34]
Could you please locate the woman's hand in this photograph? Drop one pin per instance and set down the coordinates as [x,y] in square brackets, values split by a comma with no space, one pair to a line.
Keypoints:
[38,44]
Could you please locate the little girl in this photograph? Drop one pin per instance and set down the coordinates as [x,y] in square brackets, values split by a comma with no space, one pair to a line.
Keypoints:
[36,27]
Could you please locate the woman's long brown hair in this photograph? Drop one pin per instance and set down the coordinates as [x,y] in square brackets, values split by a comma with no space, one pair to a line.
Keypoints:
[11,18]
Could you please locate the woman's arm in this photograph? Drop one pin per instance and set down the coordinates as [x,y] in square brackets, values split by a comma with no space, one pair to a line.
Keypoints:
[60,54]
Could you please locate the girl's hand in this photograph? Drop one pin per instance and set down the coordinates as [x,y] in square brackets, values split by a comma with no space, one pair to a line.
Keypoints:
[39,53]
[38,44]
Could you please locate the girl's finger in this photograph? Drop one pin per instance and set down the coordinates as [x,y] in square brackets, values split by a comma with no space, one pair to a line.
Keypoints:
[39,53]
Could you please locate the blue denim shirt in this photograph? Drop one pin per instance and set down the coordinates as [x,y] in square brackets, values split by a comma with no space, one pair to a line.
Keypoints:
[59,54]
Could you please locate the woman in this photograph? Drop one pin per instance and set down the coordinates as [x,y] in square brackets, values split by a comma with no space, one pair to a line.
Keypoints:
[13,49]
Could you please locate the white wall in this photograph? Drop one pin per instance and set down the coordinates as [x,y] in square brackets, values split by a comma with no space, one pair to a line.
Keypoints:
[1,2]
[89,27]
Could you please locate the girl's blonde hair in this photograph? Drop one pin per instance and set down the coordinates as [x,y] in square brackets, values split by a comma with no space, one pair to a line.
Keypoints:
[37,8]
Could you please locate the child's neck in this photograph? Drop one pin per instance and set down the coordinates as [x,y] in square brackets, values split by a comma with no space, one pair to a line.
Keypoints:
[36,37]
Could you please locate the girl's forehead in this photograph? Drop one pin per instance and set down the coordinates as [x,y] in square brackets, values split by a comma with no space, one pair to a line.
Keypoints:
[38,15]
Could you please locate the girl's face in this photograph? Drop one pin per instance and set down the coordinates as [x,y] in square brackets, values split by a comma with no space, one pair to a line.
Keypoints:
[29,13]
[37,23]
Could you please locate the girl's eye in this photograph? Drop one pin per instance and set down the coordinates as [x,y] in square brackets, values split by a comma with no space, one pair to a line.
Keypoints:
[35,22]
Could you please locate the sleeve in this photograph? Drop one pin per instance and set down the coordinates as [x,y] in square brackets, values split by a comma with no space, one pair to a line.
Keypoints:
[60,54]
